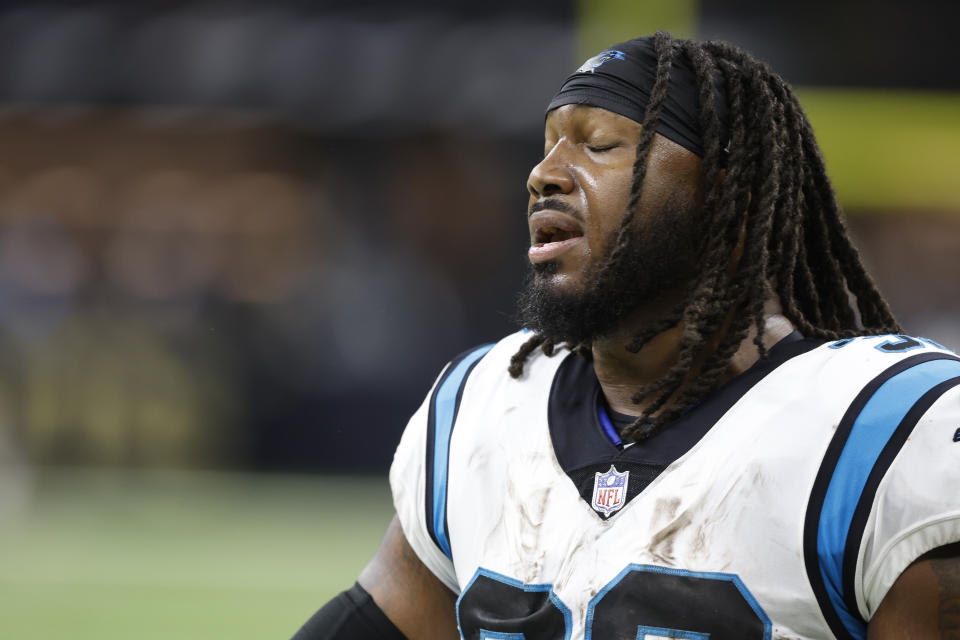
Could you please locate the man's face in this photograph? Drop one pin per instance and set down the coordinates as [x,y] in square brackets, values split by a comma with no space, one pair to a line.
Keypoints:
[579,195]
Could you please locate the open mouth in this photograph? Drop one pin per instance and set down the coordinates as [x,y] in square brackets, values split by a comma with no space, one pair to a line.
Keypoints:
[549,233]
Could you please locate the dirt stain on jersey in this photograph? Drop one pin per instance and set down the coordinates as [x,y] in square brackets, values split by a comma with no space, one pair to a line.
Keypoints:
[531,502]
[674,522]
[699,541]
[665,516]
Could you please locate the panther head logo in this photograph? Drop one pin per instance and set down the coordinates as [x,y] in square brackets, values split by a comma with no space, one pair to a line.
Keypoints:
[604,56]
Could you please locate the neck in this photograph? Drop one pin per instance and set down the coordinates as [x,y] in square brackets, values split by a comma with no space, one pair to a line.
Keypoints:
[621,373]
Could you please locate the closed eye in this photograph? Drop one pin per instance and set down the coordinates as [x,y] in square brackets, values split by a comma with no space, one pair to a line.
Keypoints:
[602,148]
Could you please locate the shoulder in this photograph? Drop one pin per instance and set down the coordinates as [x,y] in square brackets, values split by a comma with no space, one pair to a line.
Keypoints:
[492,354]
[893,374]
[477,383]
[487,365]
[838,378]
[882,349]
[472,389]
[865,363]
[884,492]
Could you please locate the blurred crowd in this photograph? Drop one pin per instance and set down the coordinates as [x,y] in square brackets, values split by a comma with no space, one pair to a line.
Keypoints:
[198,292]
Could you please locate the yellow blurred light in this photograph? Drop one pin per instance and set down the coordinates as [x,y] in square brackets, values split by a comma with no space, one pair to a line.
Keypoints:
[889,150]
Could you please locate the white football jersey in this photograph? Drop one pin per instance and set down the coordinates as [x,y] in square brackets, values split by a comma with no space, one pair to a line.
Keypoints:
[782,506]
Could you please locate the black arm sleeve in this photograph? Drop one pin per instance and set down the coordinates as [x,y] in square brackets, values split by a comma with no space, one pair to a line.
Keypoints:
[352,615]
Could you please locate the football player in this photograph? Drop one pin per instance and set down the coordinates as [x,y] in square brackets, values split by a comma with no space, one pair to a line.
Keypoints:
[712,426]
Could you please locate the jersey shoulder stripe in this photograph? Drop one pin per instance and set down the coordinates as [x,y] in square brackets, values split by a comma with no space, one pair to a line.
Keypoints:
[878,472]
[444,405]
[870,434]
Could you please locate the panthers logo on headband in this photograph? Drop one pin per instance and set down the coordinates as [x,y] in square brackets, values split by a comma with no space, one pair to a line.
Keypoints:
[604,56]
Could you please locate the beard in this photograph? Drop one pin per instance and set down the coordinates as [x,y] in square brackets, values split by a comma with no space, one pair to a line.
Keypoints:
[650,274]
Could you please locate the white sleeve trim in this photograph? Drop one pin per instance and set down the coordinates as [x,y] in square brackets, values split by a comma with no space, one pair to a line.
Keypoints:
[432,558]
[902,551]
[408,485]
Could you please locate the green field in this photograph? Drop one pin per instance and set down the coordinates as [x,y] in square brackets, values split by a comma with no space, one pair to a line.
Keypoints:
[98,554]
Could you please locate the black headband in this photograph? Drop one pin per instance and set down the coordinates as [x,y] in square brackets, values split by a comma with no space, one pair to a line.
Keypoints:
[621,78]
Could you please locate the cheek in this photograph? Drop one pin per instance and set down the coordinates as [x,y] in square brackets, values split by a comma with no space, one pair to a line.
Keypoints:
[611,200]
[673,174]
[605,219]
[605,194]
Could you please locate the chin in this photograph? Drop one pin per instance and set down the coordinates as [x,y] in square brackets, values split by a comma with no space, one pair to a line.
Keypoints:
[553,275]
[559,305]
[581,307]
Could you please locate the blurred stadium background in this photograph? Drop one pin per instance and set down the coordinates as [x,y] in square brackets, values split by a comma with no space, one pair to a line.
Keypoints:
[238,240]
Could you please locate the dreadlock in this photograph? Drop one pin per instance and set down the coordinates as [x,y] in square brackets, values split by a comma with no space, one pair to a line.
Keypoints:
[775,203]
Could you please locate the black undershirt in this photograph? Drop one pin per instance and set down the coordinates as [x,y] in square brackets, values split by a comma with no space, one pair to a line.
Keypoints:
[620,420]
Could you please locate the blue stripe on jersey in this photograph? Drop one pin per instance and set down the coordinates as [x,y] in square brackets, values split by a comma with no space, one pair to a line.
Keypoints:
[871,431]
[445,412]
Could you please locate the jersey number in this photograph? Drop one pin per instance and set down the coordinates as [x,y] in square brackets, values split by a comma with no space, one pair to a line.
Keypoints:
[893,344]
[643,602]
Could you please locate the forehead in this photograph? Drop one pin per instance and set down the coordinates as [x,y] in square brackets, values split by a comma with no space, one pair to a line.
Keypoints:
[572,118]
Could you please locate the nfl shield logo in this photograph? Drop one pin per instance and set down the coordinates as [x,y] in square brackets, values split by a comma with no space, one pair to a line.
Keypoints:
[610,491]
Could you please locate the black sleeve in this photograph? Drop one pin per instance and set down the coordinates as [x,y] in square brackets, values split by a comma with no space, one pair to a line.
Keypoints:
[352,615]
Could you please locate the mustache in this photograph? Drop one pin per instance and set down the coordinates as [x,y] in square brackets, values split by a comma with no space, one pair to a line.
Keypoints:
[555,204]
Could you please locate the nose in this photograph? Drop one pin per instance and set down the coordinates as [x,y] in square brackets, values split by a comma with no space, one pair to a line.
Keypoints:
[551,176]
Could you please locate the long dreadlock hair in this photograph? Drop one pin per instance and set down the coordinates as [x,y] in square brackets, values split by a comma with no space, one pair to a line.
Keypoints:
[776,203]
